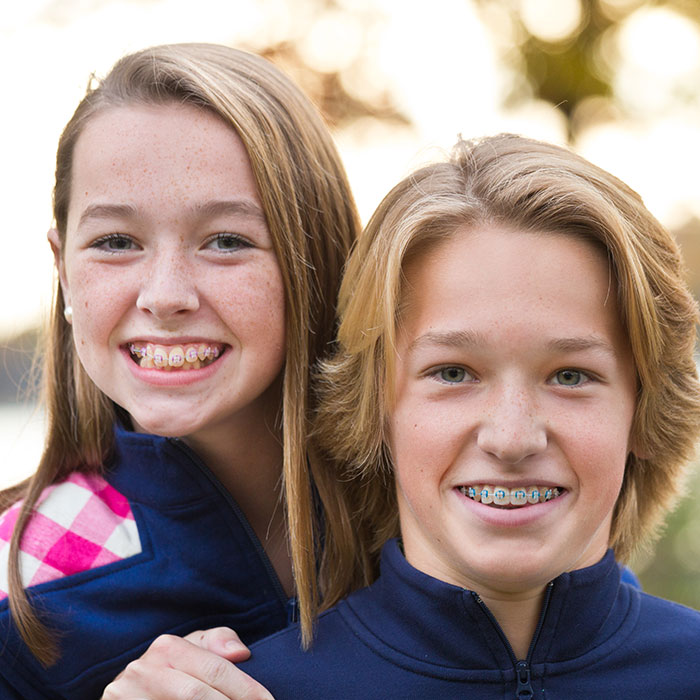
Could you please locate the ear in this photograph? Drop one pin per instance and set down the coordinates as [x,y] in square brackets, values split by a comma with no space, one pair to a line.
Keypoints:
[636,448]
[55,243]
[639,453]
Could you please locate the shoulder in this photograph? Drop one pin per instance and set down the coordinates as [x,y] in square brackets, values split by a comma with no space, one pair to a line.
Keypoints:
[668,618]
[329,630]
[655,657]
[287,670]
[79,524]
[666,635]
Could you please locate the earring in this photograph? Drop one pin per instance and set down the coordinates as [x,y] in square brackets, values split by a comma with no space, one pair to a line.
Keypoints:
[68,314]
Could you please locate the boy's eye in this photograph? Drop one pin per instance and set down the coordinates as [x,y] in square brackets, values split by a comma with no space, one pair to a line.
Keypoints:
[114,242]
[570,377]
[453,375]
[227,242]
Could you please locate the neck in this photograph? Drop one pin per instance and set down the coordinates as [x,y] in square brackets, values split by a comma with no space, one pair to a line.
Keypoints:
[247,459]
[518,617]
[248,463]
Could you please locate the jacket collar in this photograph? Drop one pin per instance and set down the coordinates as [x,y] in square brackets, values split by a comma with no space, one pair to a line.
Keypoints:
[427,619]
[157,471]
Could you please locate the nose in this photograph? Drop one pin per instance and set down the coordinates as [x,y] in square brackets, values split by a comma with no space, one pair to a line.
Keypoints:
[168,288]
[512,429]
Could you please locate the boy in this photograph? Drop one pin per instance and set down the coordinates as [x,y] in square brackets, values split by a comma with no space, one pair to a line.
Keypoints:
[515,381]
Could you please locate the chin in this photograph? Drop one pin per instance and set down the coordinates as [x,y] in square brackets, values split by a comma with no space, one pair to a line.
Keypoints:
[519,572]
[163,428]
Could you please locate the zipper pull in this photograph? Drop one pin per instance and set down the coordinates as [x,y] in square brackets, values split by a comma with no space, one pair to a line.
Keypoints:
[524,689]
[292,611]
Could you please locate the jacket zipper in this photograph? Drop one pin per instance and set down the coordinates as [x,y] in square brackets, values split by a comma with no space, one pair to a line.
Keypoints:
[262,554]
[523,689]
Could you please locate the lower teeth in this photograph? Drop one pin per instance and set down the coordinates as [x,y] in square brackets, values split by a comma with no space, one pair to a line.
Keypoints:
[148,363]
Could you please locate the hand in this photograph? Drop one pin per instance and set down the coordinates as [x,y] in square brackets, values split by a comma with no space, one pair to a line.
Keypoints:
[199,666]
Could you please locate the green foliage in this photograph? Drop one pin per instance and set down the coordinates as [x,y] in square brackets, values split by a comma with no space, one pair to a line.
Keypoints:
[673,571]
[567,73]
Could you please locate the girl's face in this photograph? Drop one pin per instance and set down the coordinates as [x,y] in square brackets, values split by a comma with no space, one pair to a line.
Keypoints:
[515,397]
[177,296]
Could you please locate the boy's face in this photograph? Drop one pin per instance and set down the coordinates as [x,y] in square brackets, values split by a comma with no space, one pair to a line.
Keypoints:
[514,377]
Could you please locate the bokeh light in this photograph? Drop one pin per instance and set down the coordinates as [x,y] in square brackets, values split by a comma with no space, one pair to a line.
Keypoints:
[646,156]
[333,42]
[659,64]
[551,20]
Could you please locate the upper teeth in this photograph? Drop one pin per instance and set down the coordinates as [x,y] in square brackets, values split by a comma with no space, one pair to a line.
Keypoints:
[504,496]
[187,356]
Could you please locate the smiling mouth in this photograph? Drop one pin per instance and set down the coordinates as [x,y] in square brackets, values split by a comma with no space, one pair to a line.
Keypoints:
[168,358]
[517,497]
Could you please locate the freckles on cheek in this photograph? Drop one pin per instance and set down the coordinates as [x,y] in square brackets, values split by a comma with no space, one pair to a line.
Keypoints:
[254,304]
[599,476]
[412,450]
[92,288]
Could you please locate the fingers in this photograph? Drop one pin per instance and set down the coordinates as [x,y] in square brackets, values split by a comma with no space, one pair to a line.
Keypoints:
[177,669]
[222,641]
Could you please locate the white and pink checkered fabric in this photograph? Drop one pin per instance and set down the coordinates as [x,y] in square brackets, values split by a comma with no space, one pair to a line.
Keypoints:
[80,524]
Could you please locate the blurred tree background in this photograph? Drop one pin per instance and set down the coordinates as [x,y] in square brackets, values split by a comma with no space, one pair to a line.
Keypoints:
[568,54]
[576,66]
[617,80]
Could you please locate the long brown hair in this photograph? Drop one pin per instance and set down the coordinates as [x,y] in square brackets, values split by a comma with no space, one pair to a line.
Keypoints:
[529,186]
[312,218]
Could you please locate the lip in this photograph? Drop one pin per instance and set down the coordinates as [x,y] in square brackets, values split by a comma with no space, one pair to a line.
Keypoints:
[509,518]
[157,377]
[170,340]
[534,481]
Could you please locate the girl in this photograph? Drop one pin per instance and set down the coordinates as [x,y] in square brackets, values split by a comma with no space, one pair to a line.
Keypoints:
[515,396]
[202,220]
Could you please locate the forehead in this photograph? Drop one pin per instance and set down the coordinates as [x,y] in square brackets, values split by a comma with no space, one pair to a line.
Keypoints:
[113,129]
[489,276]
[150,155]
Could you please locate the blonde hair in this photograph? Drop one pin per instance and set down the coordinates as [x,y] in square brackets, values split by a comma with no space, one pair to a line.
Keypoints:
[529,186]
[312,219]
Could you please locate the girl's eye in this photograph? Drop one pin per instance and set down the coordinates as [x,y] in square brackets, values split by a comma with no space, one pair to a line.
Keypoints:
[570,377]
[114,242]
[227,242]
[453,375]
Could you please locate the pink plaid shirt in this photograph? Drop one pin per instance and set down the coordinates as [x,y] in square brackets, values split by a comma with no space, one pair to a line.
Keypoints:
[79,524]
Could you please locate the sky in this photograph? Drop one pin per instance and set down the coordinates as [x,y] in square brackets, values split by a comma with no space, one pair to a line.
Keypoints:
[444,67]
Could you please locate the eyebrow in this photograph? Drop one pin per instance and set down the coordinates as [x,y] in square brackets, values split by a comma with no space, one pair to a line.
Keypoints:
[450,339]
[591,342]
[108,211]
[210,209]
[236,207]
